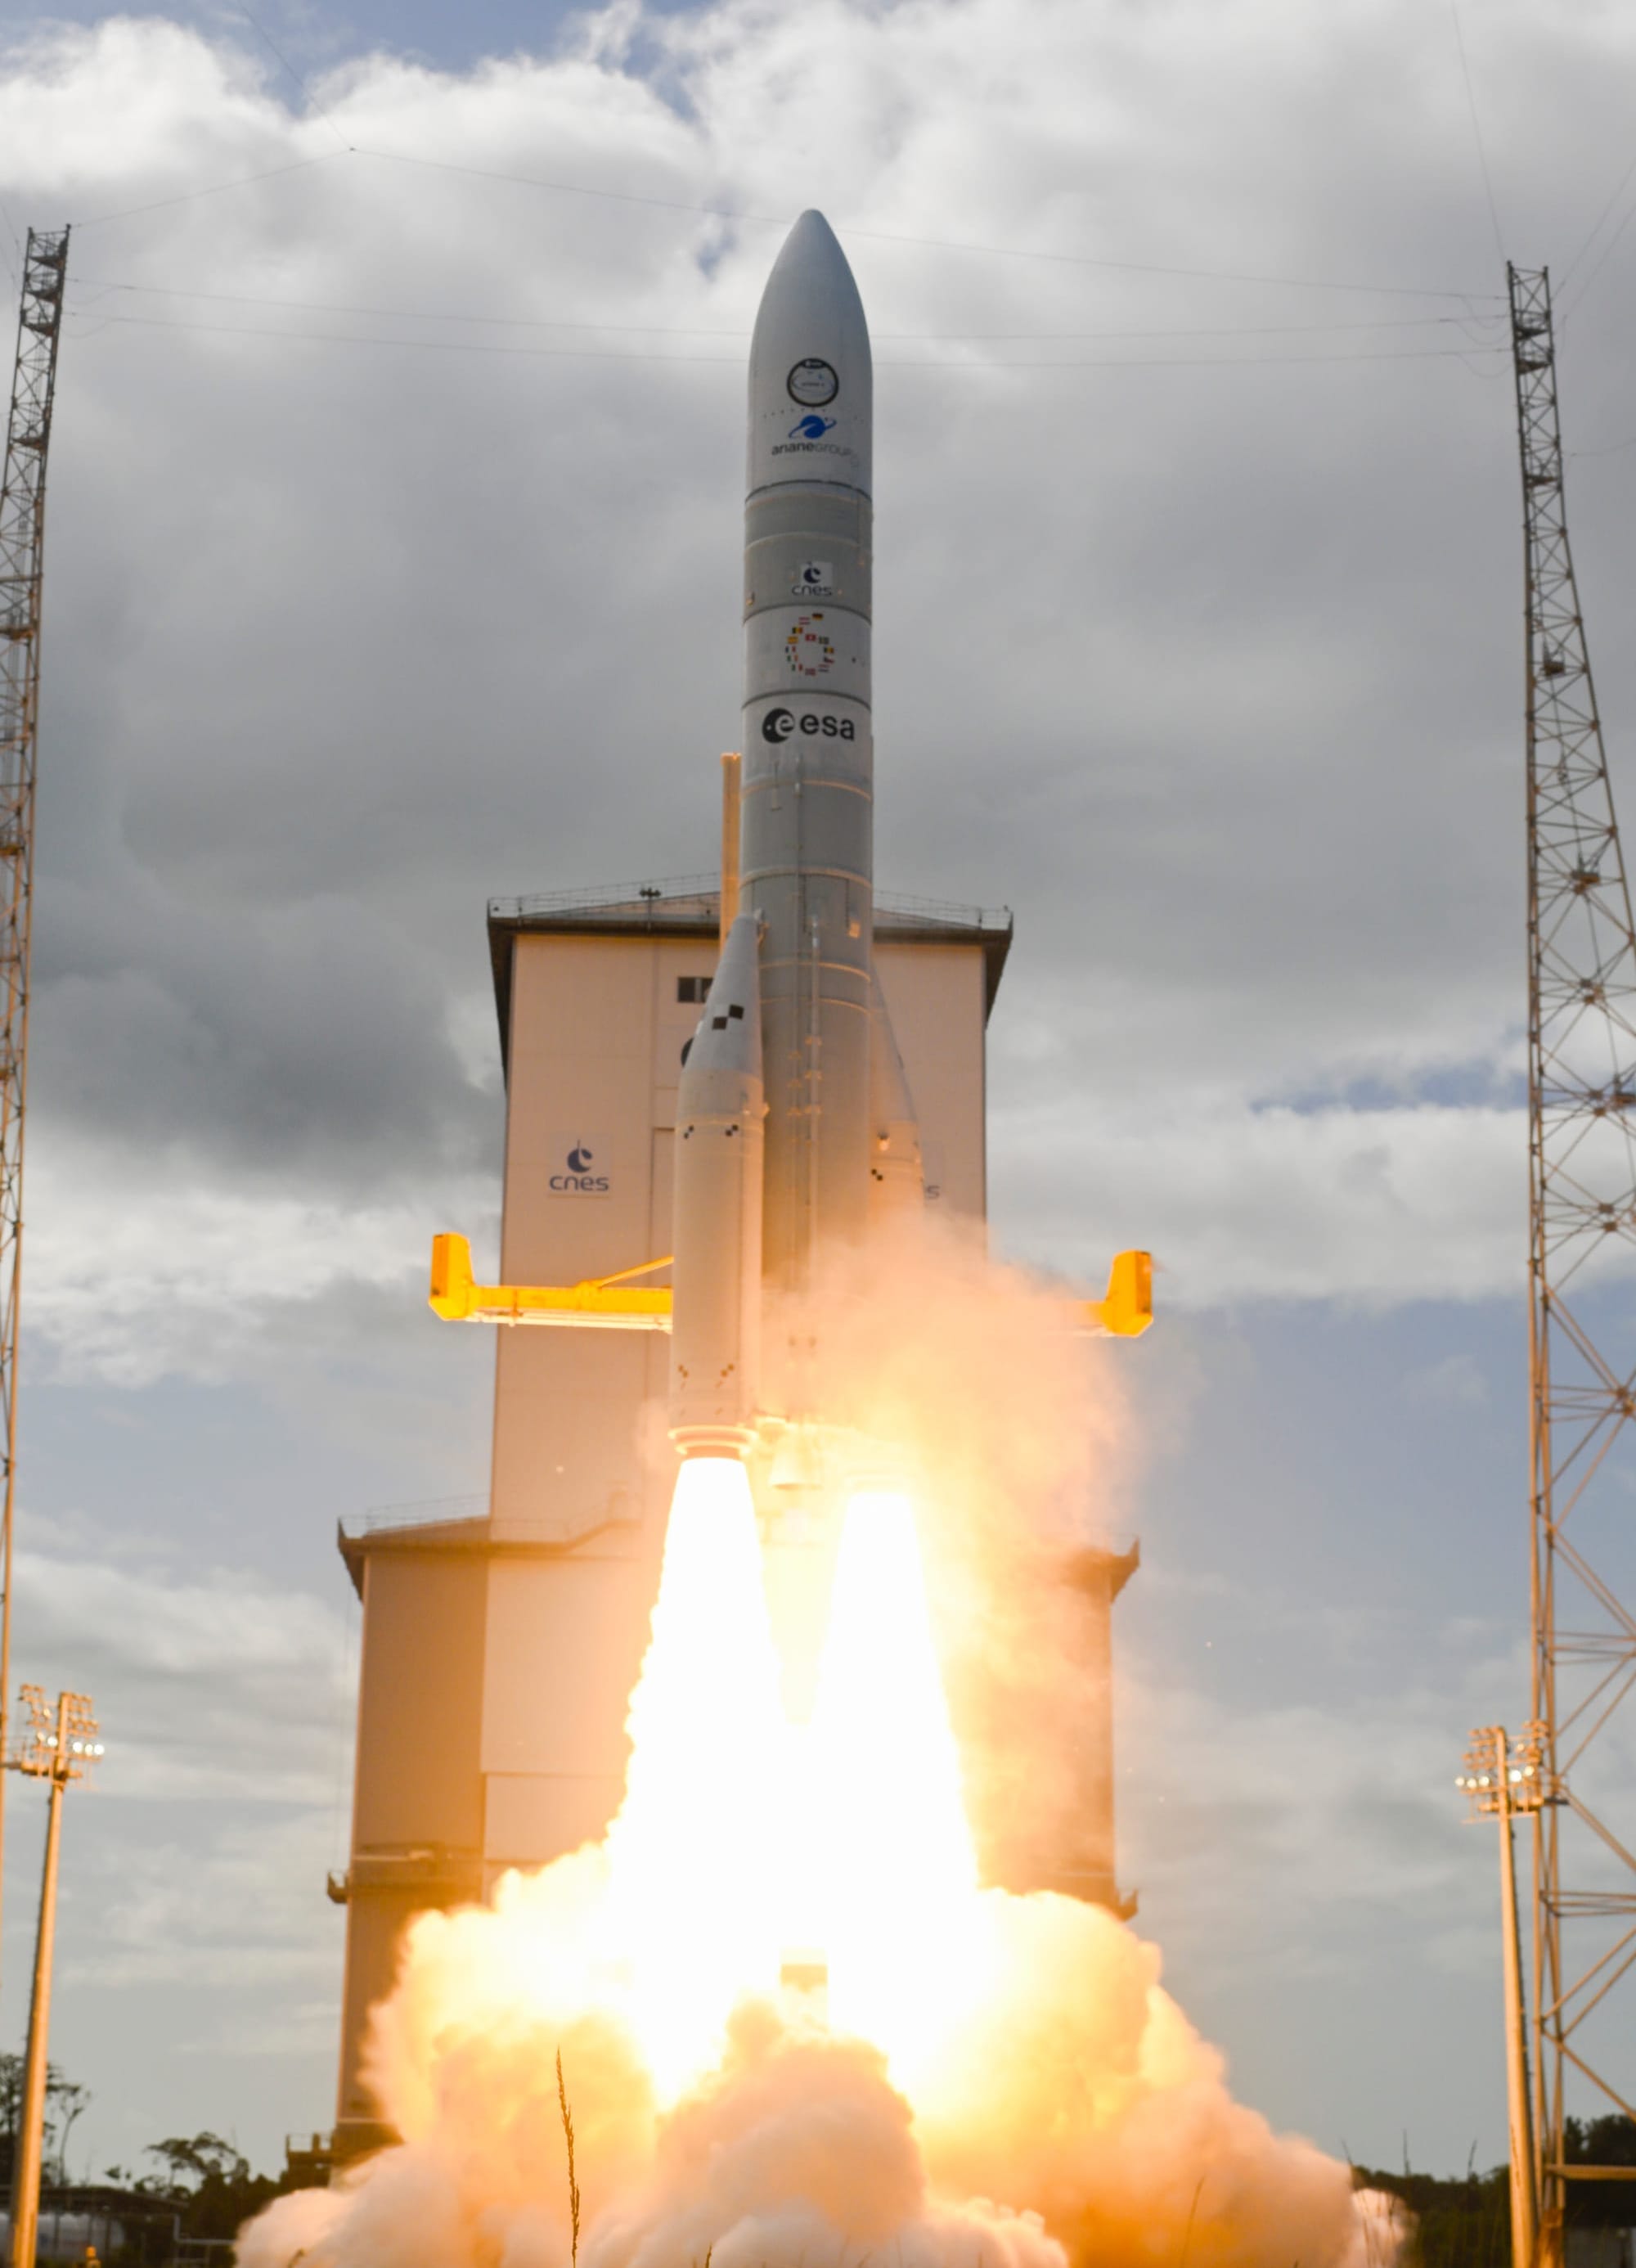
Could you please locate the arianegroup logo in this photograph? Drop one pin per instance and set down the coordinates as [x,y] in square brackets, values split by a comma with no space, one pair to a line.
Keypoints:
[814,383]
[780,725]
[810,428]
[581,1165]
[802,447]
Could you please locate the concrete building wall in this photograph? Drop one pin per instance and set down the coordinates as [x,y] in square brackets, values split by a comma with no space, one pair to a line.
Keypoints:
[417,1810]
[936,996]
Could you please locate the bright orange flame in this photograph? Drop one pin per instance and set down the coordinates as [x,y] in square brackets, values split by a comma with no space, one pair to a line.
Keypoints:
[691,1916]
[894,1874]
[1033,2058]
[742,1843]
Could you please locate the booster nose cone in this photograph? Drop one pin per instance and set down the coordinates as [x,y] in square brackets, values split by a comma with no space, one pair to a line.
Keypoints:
[811,384]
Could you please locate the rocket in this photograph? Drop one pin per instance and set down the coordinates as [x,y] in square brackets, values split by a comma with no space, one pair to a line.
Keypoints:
[807,856]
[796,1135]
[818,1051]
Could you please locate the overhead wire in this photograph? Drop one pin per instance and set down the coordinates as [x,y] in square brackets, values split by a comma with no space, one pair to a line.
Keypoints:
[1612,449]
[924,243]
[1477,129]
[735,362]
[1599,263]
[677,330]
[284,63]
[16,274]
[1619,187]
[210,189]
[744,218]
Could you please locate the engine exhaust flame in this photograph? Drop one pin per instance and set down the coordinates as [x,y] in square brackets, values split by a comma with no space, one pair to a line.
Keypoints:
[897,1921]
[1002,2081]
[708,1769]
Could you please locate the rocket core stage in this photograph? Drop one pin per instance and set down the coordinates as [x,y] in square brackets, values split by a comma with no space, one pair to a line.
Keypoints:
[807,860]
[795,1131]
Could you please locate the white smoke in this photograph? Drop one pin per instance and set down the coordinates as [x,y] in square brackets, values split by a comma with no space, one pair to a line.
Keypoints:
[1017,2088]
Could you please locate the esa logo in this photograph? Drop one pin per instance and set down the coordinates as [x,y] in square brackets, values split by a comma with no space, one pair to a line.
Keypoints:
[812,428]
[814,383]
[779,725]
[581,1167]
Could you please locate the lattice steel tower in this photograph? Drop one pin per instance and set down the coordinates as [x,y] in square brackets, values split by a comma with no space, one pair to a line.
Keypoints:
[22,552]
[1581,1070]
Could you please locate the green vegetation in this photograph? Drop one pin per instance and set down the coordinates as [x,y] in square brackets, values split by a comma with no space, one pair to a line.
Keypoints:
[1465,2222]
[64,2102]
[1461,2222]
[206,2182]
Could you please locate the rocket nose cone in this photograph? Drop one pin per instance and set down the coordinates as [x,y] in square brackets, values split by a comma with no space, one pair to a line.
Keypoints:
[811,262]
[811,405]
[810,233]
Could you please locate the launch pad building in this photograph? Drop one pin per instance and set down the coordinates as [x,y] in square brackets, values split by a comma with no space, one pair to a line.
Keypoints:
[498,1652]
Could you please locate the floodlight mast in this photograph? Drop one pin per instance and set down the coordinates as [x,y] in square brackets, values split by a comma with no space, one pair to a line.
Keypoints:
[1503,1777]
[57,1753]
[1582,1078]
[22,557]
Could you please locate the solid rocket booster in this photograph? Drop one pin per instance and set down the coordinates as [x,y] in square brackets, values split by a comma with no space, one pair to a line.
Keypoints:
[716,1267]
[808,817]
[897,1179]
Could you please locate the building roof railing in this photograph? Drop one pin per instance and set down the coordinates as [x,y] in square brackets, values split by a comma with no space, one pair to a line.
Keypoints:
[428,1511]
[460,1526]
[677,894]
[687,906]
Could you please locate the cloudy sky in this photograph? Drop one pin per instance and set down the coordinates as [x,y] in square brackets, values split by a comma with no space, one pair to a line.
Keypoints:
[392,564]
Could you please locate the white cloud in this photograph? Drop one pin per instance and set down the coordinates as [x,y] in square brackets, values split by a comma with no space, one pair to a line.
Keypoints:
[244,1911]
[361,634]
[217,1686]
[1456,1382]
[190,1273]
[1243,1205]
[1211,673]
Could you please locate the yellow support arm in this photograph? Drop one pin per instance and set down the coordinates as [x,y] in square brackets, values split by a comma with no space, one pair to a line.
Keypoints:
[1128,1310]
[614,1303]
[609,1303]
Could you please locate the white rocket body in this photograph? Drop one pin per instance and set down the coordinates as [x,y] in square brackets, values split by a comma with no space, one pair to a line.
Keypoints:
[897,1175]
[715,1315]
[841,1150]
[807,855]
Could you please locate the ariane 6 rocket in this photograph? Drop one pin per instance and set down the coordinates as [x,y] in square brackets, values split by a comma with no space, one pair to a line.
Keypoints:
[794,1123]
[796,1132]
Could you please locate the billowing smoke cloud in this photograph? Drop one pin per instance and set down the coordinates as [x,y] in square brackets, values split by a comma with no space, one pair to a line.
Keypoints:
[1084,2119]
[1017,1432]
[997,2078]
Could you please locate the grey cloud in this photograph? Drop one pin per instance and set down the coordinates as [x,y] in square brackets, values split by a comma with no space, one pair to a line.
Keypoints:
[1209,673]
[213,1687]
[296,1042]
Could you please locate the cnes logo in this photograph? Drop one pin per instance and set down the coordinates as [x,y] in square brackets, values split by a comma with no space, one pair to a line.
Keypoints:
[580,1165]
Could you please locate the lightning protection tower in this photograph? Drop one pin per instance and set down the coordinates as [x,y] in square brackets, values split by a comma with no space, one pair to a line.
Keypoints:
[1581,1073]
[22,552]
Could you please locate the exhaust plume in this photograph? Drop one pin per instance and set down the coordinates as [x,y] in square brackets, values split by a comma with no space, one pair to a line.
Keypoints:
[995,2079]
